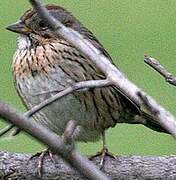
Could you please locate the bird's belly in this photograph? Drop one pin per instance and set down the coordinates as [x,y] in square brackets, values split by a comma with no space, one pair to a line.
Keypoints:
[55,116]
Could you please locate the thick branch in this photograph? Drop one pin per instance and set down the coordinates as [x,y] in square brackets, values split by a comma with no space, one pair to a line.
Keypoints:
[117,78]
[170,78]
[53,141]
[130,167]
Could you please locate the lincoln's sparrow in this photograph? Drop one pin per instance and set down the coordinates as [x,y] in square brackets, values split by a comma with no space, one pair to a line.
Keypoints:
[45,64]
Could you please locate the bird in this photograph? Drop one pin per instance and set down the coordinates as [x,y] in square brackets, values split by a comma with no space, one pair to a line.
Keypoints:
[45,64]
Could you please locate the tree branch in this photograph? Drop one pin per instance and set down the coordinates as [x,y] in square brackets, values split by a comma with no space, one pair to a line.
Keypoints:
[77,86]
[117,78]
[128,167]
[69,90]
[6,129]
[170,78]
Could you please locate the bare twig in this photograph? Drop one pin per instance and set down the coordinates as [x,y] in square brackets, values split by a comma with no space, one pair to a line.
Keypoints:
[6,129]
[117,78]
[70,155]
[71,89]
[157,111]
[160,69]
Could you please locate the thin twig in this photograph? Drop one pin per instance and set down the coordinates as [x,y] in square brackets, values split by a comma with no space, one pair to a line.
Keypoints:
[6,129]
[75,87]
[156,112]
[117,78]
[71,89]
[57,145]
[160,69]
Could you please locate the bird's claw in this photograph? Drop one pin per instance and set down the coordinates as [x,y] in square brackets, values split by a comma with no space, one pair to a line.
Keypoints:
[41,156]
[103,154]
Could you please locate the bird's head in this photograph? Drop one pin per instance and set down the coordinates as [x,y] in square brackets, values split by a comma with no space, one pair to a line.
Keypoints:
[36,29]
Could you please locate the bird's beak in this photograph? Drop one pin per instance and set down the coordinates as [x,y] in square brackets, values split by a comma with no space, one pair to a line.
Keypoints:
[19,27]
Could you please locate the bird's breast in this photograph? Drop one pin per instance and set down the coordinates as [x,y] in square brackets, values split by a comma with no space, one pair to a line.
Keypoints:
[34,61]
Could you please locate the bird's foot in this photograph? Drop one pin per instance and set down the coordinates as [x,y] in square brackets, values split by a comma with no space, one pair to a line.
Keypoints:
[41,156]
[103,154]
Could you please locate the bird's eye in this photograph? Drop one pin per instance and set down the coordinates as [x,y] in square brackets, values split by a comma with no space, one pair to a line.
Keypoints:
[67,23]
[42,25]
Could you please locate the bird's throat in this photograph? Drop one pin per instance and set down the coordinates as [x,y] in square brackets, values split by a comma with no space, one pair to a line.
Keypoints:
[23,42]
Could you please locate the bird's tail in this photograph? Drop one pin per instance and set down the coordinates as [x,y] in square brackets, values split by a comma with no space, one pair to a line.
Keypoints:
[150,122]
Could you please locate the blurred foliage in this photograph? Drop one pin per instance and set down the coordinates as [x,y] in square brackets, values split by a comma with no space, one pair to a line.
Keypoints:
[128,29]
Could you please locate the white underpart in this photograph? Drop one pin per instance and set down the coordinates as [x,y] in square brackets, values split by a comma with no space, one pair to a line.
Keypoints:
[23,42]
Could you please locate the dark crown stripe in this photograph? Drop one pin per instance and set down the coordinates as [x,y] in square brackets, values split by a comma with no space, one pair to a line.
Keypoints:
[29,13]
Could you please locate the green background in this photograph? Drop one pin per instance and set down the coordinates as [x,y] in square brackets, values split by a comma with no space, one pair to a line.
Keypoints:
[128,29]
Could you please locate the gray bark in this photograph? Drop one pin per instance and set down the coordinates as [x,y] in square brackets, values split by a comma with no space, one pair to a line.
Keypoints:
[17,166]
